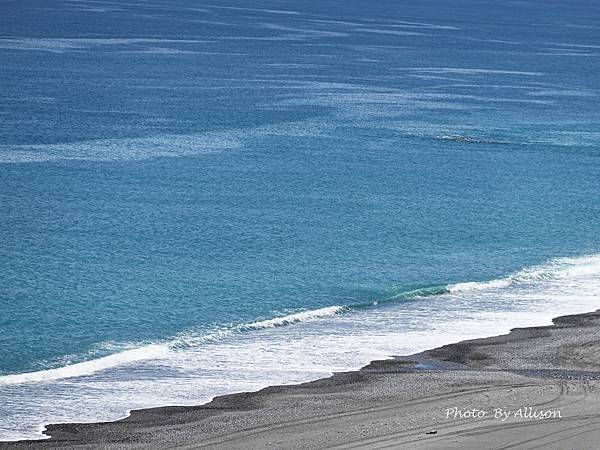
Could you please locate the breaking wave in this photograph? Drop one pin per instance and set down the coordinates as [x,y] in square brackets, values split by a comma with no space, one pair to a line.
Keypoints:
[87,367]
[293,318]
[159,350]
[557,269]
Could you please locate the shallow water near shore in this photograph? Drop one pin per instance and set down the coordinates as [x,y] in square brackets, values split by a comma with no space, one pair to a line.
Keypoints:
[204,199]
[193,368]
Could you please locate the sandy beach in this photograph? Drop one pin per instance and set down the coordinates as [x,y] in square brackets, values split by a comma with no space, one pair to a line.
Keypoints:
[533,388]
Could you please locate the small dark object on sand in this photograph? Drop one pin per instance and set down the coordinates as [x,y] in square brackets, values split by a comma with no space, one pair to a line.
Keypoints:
[432,432]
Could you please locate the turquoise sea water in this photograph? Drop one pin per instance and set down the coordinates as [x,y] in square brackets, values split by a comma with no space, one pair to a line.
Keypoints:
[200,198]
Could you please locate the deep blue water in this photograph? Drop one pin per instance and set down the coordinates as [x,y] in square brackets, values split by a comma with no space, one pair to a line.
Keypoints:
[172,168]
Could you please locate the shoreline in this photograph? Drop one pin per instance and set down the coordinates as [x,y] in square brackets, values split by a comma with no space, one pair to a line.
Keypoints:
[452,396]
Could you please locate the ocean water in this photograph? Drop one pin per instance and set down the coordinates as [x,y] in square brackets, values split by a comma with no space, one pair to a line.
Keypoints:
[199,198]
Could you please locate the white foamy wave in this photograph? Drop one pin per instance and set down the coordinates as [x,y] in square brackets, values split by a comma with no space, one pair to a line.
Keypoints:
[157,351]
[88,367]
[479,285]
[294,318]
[556,269]
[561,268]
[195,339]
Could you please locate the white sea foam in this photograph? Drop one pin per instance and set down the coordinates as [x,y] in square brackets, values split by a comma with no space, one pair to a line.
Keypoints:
[135,149]
[390,32]
[407,24]
[352,103]
[303,33]
[563,93]
[557,269]
[568,138]
[263,10]
[584,46]
[480,286]
[87,367]
[561,268]
[294,318]
[66,44]
[470,71]
[126,149]
[156,351]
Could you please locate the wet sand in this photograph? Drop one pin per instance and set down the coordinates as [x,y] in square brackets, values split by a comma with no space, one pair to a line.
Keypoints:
[494,393]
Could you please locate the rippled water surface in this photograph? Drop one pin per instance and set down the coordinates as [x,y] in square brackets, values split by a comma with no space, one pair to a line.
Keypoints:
[201,198]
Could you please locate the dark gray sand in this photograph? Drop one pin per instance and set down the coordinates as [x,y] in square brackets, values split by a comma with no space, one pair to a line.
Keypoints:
[422,401]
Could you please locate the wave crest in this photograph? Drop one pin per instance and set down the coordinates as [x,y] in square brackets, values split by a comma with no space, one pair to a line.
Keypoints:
[156,351]
[91,367]
[556,269]
[293,318]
